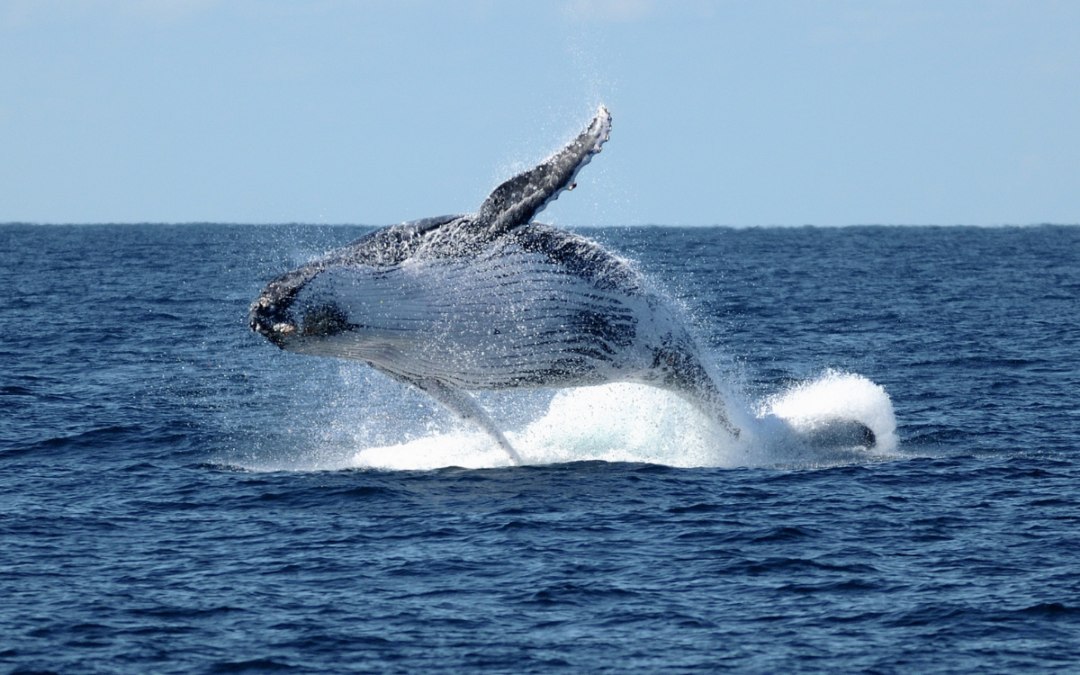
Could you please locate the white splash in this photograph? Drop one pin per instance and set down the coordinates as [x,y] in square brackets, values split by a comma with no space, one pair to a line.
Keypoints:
[373,423]
[614,423]
[837,395]
[636,423]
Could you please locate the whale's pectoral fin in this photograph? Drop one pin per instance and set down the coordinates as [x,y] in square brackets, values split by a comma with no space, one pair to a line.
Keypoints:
[675,367]
[464,406]
[515,202]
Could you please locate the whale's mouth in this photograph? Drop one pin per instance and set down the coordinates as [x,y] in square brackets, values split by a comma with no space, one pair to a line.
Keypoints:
[269,320]
[277,324]
[277,333]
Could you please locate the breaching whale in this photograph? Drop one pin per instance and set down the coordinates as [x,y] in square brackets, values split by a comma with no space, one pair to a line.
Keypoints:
[489,301]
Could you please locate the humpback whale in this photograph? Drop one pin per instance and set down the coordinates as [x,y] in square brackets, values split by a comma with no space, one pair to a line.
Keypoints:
[489,301]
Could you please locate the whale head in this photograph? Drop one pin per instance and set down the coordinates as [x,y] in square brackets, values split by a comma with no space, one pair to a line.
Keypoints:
[279,317]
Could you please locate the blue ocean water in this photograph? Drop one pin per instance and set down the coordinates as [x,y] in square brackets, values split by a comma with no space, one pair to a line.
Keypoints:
[179,496]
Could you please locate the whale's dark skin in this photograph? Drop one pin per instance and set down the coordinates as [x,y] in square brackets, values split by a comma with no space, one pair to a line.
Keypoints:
[489,301]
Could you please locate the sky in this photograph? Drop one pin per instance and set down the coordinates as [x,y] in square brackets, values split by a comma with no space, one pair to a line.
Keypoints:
[727,112]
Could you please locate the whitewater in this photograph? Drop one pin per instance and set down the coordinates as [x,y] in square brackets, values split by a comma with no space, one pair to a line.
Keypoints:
[619,422]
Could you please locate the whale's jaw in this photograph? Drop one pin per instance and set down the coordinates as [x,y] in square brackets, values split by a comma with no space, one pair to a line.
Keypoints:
[306,331]
[271,321]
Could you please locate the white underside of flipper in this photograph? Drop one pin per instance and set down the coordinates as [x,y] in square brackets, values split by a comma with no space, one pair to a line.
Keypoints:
[465,407]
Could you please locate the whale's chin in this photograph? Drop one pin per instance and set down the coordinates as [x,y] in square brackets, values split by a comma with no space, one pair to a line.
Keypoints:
[280,333]
[353,345]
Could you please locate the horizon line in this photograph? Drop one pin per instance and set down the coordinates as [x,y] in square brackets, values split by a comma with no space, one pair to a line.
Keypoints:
[611,225]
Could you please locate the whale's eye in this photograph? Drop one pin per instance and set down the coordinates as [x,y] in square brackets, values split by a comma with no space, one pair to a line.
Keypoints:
[325,320]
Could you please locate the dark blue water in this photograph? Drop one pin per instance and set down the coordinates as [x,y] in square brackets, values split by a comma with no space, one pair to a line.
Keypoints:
[178,496]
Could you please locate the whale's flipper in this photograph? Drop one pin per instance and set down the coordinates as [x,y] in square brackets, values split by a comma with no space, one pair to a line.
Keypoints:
[462,404]
[677,368]
[516,201]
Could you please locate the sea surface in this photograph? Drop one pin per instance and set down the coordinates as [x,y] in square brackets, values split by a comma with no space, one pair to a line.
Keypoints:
[177,495]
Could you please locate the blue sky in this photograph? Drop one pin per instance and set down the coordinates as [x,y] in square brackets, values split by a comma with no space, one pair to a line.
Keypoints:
[727,112]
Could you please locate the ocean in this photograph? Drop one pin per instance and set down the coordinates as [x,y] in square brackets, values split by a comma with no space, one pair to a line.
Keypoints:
[177,495]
